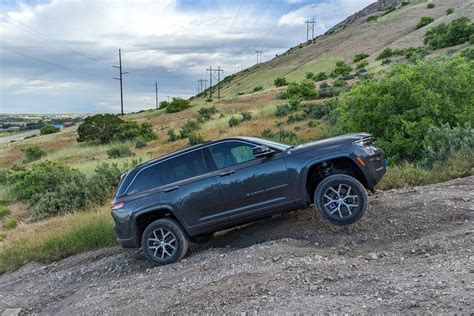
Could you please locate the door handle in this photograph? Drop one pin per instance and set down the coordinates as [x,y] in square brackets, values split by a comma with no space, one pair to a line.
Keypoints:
[227,173]
[176,187]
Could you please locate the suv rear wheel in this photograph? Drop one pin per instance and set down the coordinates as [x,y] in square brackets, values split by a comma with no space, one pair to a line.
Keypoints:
[340,199]
[164,241]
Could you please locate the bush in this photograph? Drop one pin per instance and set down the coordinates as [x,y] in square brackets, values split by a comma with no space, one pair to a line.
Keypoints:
[467,53]
[209,100]
[443,35]
[362,64]
[400,108]
[4,211]
[177,105]
[330,92]
[103,182]
[246,116]
[320,111]
[449,11]
[282,110]
[296,118]
[341,69]
[424,21]
[258,88]
[10,223]
[415,53]
[372,18]
[444,142]
[48,129]
[33,153]
[140,143]
[405,3]
[389,10]
[164,104]
[340,83]
[282,136]
[305,90]
[386,61]
[360,57]
[320,76]
[205,114]
[172,135]
[430,5]
[309,75]
[234,121]
[120,151]
[195,139]
[107,127]
[189,127]
[280,82]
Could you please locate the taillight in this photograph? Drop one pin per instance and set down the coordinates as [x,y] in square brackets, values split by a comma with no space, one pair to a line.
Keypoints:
[117,206]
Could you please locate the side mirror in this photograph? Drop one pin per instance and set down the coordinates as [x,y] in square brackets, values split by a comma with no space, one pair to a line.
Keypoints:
[261,151]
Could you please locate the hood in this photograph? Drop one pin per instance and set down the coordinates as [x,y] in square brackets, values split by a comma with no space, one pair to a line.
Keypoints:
[331,142]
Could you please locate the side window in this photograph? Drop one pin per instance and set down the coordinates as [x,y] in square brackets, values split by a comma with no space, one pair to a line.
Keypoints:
[182,167]
[231,153]
[147,179]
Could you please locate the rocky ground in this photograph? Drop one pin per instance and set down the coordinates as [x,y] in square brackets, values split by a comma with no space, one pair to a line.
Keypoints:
[412,252]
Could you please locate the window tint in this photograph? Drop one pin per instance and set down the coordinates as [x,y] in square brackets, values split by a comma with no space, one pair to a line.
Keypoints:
[147,179]
[231,153]
[183,167]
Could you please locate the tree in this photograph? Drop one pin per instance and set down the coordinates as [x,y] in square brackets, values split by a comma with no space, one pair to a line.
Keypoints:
[457,32]
[280,82]
[48,129]
[177,105]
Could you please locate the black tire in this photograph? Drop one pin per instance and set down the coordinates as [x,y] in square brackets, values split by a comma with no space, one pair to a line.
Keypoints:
[172,234]
[340,199]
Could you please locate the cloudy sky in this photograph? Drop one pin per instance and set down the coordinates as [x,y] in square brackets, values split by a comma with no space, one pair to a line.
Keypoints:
[57,56]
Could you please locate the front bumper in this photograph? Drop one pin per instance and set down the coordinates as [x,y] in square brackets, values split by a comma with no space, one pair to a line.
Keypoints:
[375,168]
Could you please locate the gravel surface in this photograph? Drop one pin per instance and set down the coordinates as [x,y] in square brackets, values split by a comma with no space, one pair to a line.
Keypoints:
[412,252]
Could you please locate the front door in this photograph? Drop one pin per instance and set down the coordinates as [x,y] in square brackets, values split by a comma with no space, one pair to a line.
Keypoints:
[249,185]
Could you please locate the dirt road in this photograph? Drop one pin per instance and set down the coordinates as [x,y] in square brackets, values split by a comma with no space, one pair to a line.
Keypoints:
[412,252]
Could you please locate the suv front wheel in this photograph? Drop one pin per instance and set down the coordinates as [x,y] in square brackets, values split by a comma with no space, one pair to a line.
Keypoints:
[340,199]
[164,241]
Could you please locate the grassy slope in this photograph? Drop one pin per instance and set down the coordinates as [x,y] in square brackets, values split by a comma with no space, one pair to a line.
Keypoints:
[58,237]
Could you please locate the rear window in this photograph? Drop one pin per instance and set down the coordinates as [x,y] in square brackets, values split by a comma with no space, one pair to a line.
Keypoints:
[149,178]
[184,166]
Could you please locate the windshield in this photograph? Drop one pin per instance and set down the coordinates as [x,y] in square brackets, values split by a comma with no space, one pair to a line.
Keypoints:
[270,143]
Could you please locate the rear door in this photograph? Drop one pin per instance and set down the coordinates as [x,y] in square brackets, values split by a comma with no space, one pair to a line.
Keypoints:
[249,185]
[191,190]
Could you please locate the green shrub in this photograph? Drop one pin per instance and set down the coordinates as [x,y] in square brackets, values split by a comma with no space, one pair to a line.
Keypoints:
[321,111]
[444,142]
[119,151]
[424,21]
[282,110]
[103,182]
[430,5]
[340,83]
[449,11]
[341,69]
[443,35]
[324,85]
[405,3]
[10,223]
[209,100]
[177,105]
[389,10]
[360,57]
[312,124]
[330,92]
[400,108]
[140,143]
[33,153]
[309,75]
[296,118]
[361,72]
[320,76]
[386,61]
[415,53]
[205,114]
[305,90]
[195,139]
[107,127]
[164,104]
[234,121]
[189,127]
[246,116]
[280,82]
[172,135]
[362,64]
[48,129]
[258,88]
[4,211]
[467,53]
[282,136]
[372,18]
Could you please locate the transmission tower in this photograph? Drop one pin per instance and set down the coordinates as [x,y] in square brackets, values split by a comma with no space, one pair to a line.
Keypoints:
[310,26]
[259,54]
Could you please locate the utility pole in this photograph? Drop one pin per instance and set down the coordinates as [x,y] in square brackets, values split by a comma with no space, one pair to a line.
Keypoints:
[156,94]
[259,52]
[219,82]
[210,80]
[121,81]
[310,25]
[168,98]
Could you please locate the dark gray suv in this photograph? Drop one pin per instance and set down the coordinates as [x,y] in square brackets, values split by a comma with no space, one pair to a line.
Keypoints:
[187,195]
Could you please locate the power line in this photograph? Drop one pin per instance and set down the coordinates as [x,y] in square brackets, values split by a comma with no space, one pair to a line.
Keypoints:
[232,24]
[274,25]
[258,20]
[51,64]
[46,37]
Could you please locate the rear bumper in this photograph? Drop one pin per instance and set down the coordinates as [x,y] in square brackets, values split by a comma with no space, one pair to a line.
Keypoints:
[125,235]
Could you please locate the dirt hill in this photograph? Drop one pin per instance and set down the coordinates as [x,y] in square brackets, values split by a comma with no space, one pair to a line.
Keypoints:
[412,253]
